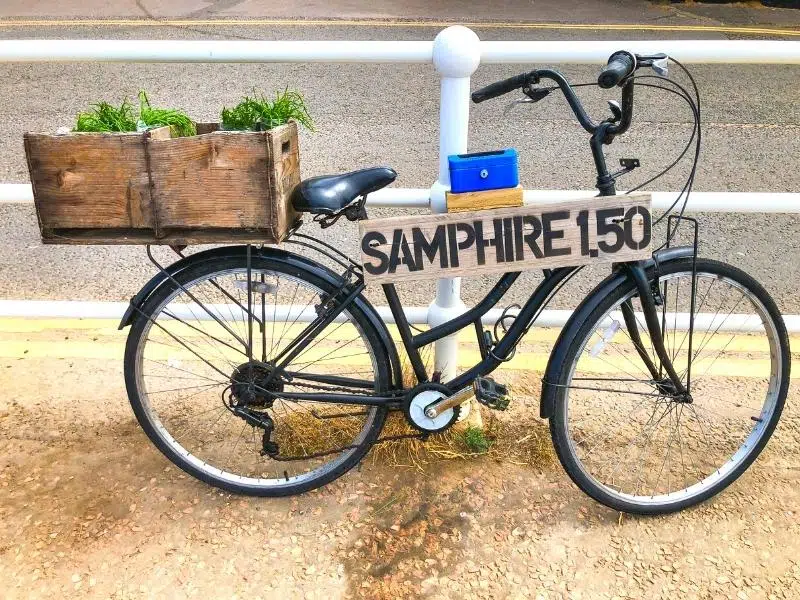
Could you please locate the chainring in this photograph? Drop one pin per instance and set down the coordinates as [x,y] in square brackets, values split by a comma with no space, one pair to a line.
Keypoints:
[418,398]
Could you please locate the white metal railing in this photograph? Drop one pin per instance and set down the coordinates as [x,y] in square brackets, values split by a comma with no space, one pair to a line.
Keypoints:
[456,53]
[720,202]
[547,52]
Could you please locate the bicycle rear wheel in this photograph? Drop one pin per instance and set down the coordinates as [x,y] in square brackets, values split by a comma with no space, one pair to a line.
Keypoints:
[187,365]
[625,440]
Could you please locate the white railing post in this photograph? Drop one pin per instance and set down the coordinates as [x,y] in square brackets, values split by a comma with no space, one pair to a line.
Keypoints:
[456,55]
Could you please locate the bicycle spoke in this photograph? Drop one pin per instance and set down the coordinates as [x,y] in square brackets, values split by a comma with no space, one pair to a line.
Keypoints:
[673,409]
[663,447]
[192,381]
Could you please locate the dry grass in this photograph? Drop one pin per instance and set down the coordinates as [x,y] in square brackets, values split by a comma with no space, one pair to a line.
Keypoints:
[510,440]
[516,436]
[298,432]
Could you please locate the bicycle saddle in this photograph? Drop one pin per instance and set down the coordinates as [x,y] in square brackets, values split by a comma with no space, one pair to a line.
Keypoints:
[329,194]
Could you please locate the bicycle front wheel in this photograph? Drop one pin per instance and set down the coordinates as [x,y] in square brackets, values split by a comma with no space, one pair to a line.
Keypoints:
[201,348]
[628,442]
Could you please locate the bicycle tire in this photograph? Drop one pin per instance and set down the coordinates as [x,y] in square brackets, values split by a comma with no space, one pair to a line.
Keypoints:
[264,262]
[566,447]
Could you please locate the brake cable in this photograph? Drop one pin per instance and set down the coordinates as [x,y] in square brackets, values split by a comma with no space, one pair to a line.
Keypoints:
[535,94]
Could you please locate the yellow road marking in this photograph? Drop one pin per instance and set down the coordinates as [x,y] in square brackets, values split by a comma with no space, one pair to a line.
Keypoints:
[529,361]
[105,329]
[391,23]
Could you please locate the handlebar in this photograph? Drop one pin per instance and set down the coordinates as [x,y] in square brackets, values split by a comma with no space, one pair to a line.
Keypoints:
[620,65]
[498,88]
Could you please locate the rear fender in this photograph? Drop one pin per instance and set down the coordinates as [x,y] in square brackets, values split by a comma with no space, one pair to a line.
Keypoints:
[608,286]
[133,311]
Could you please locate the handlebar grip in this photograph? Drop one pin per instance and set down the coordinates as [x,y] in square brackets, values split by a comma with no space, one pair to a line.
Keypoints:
[620,65]
[498,88]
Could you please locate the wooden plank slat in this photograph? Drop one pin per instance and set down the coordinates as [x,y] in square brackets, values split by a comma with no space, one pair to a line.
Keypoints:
[484,200]
[176,237]
[216,180]
[92,180]
[577,232]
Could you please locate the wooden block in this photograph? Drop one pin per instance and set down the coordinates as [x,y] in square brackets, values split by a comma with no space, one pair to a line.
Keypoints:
[562,234]
[484,199]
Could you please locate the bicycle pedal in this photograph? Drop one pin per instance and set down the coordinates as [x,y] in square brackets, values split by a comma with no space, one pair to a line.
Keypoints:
[491,394]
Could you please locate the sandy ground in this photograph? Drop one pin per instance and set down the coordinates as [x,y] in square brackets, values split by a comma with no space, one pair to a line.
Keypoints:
[91,509]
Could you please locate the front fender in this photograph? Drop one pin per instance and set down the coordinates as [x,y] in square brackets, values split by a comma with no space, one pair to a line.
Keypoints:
[608,286]
[133,311]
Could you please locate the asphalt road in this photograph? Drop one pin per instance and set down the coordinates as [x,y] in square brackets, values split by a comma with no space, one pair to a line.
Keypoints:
[388,114]
[516,11]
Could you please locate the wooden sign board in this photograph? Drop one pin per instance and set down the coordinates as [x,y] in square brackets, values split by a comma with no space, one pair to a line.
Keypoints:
[570,233]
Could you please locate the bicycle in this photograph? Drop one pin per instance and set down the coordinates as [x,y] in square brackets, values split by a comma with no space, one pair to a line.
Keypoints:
[264,372]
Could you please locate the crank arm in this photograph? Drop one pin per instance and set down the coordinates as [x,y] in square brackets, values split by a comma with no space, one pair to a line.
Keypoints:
[437,408]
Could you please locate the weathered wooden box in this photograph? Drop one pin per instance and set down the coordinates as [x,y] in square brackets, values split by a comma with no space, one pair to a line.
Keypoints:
[150,188]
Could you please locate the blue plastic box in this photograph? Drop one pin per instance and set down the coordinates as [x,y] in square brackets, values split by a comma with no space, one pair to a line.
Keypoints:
[483,171]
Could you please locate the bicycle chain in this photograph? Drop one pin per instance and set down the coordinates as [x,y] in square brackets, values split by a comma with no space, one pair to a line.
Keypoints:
[312,386]
[391,438]
[278,458]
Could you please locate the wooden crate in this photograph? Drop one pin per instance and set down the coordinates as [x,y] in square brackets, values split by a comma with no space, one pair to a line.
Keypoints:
[149,188]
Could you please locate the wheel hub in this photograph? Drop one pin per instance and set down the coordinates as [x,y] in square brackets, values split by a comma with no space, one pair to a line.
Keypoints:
[250,384]
[667,388]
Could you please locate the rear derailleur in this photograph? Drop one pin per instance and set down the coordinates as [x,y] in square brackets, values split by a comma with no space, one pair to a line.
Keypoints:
[251,393]
[262,421]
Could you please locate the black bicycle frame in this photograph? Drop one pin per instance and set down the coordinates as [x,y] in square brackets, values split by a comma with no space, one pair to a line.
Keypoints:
[491,357]
[495,354]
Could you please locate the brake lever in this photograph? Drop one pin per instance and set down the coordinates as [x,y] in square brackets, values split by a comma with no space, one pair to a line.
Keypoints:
[511,105]
[536,94]
[616,110]
[658,62]
[532,95]
[661,66]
